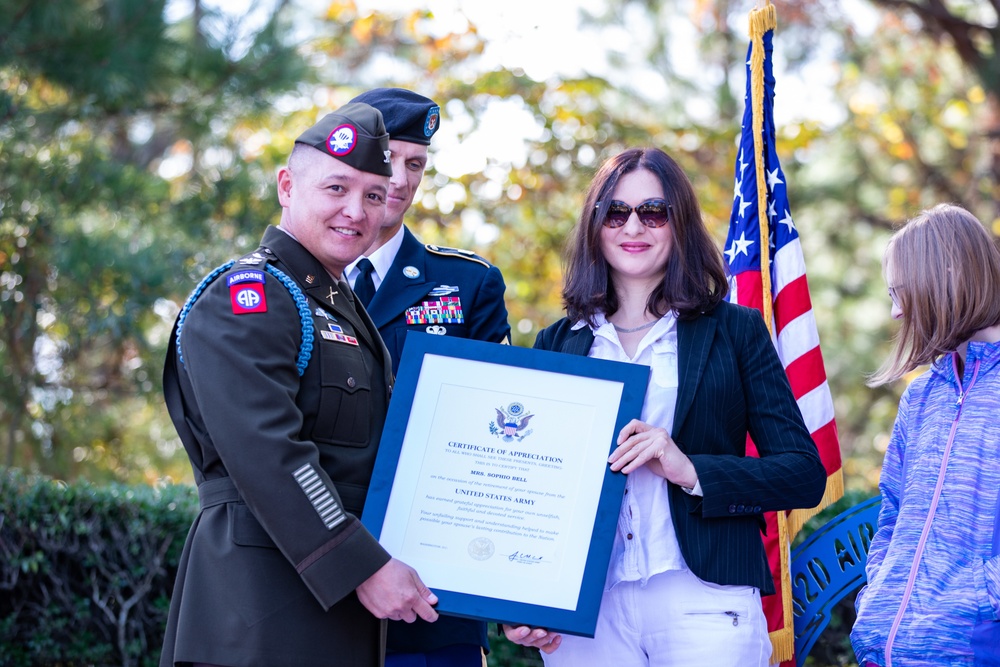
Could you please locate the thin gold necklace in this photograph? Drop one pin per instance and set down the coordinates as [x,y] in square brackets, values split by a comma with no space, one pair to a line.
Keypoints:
[633,330]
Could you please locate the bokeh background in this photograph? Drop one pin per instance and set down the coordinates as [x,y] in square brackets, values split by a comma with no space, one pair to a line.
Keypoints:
[139,141]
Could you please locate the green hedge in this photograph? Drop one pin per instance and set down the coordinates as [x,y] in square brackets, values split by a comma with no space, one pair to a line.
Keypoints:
[85,571]
[86,574]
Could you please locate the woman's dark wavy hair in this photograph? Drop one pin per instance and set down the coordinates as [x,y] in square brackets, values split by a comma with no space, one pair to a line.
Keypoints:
[695,278]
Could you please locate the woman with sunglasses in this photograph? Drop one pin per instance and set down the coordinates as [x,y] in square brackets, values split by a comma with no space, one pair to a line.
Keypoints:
[933,567]
[646,284]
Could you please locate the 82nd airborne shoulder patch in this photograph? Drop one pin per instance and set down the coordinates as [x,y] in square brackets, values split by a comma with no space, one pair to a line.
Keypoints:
[246,292]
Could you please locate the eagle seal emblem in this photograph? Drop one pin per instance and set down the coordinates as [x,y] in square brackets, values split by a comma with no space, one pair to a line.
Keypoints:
[481,548]
[511,423]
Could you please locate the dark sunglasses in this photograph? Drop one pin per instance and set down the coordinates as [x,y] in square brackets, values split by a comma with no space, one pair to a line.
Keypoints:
[652,213]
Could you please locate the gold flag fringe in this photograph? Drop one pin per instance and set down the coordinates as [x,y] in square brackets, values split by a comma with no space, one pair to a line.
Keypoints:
[783,640]
[834,492]
[761,20]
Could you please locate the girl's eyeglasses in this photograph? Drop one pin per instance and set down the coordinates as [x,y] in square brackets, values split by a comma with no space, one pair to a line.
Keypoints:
[894,296]
[652,213]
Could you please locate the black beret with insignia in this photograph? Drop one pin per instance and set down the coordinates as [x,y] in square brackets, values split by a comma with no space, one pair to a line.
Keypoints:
[408,116]
[354,134]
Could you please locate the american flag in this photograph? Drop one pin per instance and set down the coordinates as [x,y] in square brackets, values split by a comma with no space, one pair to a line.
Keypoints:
[794,326]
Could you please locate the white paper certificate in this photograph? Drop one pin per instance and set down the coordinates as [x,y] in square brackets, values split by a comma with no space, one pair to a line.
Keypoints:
[492,505]
[492,478]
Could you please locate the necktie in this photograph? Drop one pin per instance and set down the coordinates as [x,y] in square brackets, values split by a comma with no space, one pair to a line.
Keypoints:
[364,286]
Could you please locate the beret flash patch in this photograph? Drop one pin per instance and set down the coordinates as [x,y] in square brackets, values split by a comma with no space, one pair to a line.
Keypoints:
[431,123]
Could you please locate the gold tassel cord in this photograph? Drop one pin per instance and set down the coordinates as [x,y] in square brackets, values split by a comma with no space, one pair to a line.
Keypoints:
[834,491]
[761,20]
[783,640]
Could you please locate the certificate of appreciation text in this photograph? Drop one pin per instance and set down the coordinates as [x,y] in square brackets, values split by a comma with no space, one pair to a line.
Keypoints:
[499,480]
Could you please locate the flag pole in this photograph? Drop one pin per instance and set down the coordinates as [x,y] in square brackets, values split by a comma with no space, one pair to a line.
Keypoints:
[763,19]
[772,278]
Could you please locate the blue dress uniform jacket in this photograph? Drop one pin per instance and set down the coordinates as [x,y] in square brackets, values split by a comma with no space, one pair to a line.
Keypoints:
[418,278]
[281,411]
[731,384]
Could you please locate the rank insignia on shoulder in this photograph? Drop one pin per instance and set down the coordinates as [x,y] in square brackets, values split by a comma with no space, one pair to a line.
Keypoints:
[339,337]
[455,252]
[246,291]
[443,290]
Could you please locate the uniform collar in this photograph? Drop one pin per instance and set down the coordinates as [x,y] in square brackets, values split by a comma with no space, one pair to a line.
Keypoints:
[381,259]
[405,282]
[316,281]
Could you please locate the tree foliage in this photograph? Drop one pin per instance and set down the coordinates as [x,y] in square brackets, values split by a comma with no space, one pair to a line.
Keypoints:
[137,152]
[969,31]
[119,169]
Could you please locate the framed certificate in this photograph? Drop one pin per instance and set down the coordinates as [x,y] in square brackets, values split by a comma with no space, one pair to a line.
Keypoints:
[492,478]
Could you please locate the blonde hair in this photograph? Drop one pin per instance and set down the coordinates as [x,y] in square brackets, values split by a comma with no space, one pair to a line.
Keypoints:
[946,277]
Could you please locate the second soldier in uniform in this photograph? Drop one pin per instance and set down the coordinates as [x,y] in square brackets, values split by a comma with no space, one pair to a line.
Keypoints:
[404,285]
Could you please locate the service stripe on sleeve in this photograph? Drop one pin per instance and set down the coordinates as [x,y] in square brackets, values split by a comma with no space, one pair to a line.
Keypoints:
[320,497]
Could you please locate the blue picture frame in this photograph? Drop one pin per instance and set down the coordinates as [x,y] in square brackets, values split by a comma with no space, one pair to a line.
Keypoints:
[582,618]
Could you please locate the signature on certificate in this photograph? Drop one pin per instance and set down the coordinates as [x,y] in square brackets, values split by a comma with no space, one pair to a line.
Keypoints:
[518,557]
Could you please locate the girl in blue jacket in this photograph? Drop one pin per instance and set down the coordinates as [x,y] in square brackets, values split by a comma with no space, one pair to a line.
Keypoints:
[931,573]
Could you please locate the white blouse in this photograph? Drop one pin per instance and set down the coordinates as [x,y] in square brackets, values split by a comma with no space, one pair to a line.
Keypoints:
[645,542]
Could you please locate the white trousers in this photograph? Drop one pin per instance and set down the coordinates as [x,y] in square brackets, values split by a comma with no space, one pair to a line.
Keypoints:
[677,619]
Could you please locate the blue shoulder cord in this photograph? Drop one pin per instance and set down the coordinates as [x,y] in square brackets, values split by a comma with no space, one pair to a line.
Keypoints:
[305,316]
[301,304]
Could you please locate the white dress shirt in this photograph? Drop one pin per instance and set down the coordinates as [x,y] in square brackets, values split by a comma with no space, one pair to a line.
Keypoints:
[381,259]
[645,542]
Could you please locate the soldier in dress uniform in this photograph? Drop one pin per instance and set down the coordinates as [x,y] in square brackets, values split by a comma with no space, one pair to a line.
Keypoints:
[413,286]
[277,382]
[409,286]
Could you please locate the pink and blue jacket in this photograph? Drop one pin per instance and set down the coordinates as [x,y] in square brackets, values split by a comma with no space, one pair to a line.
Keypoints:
[931,575]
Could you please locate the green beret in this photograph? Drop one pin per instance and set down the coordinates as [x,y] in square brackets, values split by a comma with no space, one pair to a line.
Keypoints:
[354,134]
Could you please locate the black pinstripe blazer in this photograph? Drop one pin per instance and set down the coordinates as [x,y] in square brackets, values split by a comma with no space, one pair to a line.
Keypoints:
[731,384]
